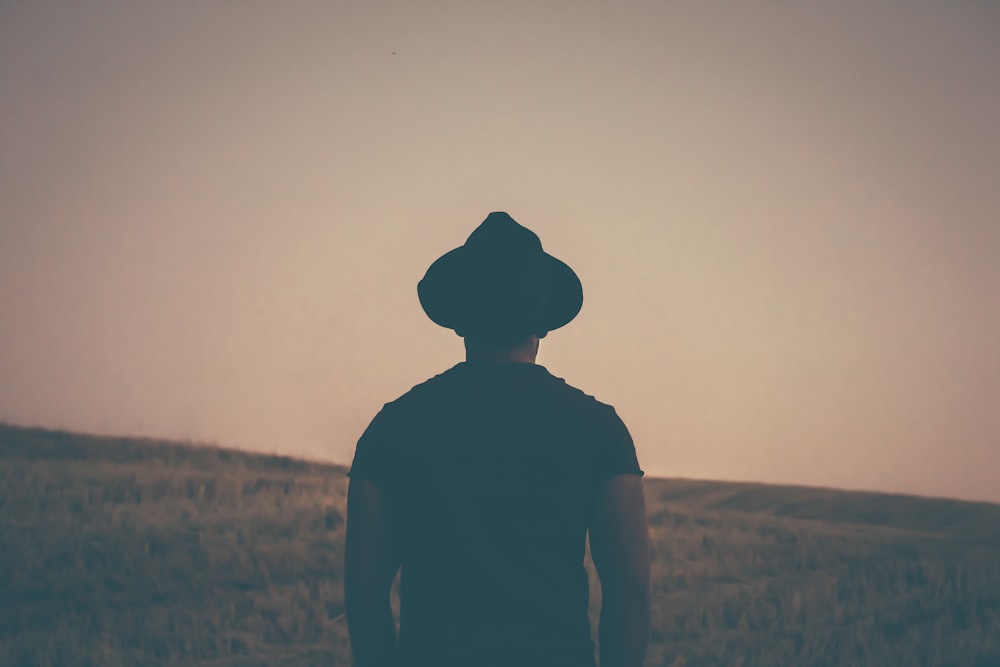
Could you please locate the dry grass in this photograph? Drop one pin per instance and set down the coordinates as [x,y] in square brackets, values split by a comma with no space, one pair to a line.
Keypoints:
[125,552]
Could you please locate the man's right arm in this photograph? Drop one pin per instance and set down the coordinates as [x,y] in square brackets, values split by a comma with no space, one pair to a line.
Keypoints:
[619,544]
[371,560]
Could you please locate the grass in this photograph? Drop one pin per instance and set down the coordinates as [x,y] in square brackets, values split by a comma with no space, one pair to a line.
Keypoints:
[138,552]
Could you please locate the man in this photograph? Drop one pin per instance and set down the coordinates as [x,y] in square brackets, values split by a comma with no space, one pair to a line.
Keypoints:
[481,485]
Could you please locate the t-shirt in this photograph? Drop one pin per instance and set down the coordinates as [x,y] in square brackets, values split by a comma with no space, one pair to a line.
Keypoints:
[490,471]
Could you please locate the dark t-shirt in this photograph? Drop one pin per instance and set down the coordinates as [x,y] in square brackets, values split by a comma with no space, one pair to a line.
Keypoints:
[490,471]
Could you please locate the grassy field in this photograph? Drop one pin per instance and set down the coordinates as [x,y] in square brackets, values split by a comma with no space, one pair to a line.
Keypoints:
[138,552]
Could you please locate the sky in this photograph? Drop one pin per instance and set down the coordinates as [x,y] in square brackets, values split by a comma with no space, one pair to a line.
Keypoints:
[785,216]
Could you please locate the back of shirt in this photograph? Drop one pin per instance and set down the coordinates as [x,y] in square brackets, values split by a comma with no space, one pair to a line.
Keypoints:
[490,471]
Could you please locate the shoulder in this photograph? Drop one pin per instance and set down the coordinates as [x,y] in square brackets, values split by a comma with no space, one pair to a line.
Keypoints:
[574,393]
[417,397]
[580,400]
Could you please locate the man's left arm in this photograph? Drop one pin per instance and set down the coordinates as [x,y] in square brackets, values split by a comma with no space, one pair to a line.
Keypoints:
[370,563]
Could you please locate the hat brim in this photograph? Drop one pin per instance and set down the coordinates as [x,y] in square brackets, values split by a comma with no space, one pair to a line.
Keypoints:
[449,293]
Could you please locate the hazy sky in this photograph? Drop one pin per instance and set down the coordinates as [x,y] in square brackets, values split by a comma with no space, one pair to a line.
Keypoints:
[786,218]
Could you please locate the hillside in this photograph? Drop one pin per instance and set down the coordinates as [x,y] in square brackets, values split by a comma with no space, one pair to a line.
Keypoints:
[139,552]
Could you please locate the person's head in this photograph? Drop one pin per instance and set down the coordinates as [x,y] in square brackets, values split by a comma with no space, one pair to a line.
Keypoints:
[500,291]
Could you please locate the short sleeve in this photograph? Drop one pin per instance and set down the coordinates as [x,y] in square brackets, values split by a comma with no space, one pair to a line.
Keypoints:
[615,450]
[375,457]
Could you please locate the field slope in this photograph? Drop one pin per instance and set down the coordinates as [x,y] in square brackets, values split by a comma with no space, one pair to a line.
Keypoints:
[140,552]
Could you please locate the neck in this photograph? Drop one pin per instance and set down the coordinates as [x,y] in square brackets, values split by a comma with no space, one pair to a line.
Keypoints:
[522,354]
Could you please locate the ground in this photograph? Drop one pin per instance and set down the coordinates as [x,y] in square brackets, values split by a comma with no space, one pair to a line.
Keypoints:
[140,552]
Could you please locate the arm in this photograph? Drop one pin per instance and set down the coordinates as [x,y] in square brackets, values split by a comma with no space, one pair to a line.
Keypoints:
[370,564]
[619,544]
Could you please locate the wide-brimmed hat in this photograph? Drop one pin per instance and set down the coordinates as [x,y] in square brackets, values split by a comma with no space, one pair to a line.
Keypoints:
[500,282]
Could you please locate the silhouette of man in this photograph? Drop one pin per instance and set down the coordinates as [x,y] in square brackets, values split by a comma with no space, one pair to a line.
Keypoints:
[481,485]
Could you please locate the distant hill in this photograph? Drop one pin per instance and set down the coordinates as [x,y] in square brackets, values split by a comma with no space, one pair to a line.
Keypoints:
[945,518]
[117,551]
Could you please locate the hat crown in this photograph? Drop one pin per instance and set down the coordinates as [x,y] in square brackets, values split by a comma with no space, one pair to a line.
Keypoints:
[499,234]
